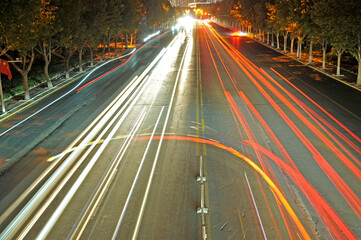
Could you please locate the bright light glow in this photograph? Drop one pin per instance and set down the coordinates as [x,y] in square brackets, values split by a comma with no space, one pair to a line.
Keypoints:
[175,28]
[187,22]
[239,33]
[150,36]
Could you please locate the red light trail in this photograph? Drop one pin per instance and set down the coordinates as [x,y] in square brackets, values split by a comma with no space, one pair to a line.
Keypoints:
[328,214]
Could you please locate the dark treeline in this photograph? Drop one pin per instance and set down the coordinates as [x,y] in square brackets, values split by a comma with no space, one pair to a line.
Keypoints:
[30,29]
[329,23]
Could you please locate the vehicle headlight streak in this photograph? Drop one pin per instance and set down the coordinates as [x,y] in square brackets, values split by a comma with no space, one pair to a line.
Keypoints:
[146,194]
[77,88]
[64,95]
[35,201]
[151,36]
[137,86]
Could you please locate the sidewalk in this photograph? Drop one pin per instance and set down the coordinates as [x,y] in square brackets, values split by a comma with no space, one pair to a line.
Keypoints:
[347,77]
[16,102]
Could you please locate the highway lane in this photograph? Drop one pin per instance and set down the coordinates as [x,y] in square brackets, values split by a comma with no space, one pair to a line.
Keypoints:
[52,130]
[276,164]
[151,86]
[241,207]
[319,140]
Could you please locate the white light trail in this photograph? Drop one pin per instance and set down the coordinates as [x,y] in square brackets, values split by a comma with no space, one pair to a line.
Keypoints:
[145,198]
[61,97]
[255,205]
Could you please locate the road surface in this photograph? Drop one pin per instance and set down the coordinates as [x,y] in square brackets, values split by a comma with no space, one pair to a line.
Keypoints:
[200,135]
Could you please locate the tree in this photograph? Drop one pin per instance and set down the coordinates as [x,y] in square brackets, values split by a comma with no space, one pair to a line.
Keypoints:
[157,12]
[69,20]
[260,11]
[354,22]
[334,16]
[46,43]
[95,20]
[301,14]
[283,15]
[20,38]
[133,13]
[114,21]
[275,21]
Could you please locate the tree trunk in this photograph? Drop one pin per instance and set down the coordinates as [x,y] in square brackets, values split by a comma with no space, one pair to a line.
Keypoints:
[46,73]
[278,40]
[299,46]
[273,42]
[24,75]
[121,42]
[67,68]
[116,46]
[103,50]
[47,59]
[267,38]
[108,43]
[323,57]
[324,48]
[132,39]
[126,39]
[91,56]
[338,71]
[358,83]
[24,70]
[285,42]
[80,61]
[310,54]
[259,34]
[263,36]
[292,43]
[298,49]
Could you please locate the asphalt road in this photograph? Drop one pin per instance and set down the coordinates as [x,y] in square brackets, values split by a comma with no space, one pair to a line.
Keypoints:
[201,134]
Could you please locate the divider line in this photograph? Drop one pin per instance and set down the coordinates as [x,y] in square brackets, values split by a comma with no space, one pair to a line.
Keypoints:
[55,216]
[255,205]
[24,214]
[141,212]
[136,178]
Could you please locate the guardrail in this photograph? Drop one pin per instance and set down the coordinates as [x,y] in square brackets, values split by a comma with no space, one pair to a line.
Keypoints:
[202,209]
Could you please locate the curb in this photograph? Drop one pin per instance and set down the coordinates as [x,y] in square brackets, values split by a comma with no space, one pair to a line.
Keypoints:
[314,68]
[62,83]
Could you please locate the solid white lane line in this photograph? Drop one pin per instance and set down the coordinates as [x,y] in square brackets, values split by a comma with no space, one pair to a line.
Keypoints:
[141,211]
[69,149]
[55,216]
[50,183]
[61,97]
[104,187]
[24,214]
[136,178]
[255,205]
[134,98]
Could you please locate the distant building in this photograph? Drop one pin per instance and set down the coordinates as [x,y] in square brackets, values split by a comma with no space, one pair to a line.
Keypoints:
[184,3]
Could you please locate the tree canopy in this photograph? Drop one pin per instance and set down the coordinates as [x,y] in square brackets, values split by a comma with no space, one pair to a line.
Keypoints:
[66,27]
[330,21]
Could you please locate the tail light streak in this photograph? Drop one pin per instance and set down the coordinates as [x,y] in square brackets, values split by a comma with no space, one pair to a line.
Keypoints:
[236,112]
[339,229]
[299,225]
